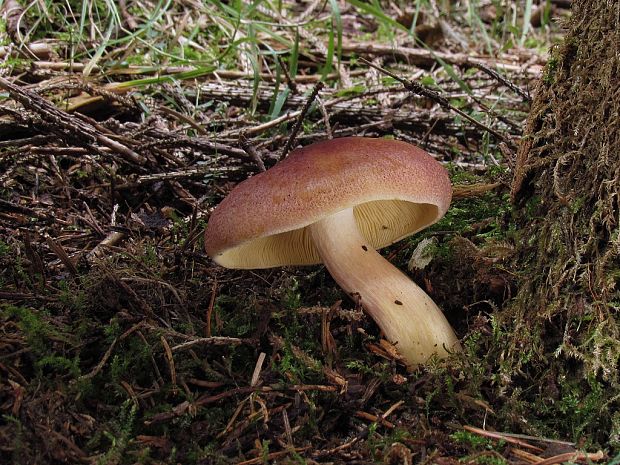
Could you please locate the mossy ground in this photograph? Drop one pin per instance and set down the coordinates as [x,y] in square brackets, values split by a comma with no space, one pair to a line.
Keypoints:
[149,353]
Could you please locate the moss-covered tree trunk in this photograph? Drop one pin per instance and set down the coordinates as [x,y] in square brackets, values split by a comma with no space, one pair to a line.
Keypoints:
[564,347]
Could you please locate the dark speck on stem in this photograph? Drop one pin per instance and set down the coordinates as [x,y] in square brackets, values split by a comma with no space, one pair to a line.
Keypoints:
[398,302]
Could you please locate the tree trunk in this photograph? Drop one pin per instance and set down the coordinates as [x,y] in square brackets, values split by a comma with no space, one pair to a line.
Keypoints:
[563,349]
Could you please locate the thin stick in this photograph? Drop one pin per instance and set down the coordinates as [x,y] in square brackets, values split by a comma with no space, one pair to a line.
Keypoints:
[287,76]
[511,85]
[211,306]
[527,456]
[170,360]
[60,252]
[462,191]
[291,140]
[495,435]
[257,369]
[573,457]
[62,122]
[272,455]
[108,352]
[251,151]
[129,20]
[539,439]
[361,434]
[213,340]
[420,56]
[374,418]
[328,127]
[110,240]
[424,91]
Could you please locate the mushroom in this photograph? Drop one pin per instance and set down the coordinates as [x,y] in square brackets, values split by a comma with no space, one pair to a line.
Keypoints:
[335,202]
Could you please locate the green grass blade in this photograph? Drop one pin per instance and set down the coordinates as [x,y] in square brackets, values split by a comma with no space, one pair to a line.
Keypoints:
[276,85]
[193,74]
[337,18]
[293,59]
[252,53]
[329,59]
[279,103]
[102,47]
[377,13]
[527,17]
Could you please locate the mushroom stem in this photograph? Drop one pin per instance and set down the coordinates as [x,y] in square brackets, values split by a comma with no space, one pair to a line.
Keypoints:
[404,312]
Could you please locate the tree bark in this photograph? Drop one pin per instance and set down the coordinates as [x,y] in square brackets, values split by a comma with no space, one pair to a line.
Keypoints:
[563,347]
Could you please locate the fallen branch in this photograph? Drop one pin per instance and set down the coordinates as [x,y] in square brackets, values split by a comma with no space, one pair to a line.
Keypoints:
[419,56]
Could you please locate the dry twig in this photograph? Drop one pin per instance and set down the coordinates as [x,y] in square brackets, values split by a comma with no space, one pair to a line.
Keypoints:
[302,115]
[67,125]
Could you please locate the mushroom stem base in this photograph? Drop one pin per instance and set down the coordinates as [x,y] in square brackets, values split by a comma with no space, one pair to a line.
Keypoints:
[404,312]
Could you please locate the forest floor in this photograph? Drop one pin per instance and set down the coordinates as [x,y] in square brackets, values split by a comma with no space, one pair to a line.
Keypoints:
[122,125]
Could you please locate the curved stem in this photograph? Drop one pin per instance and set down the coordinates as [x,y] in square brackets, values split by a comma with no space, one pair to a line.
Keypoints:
[404,312]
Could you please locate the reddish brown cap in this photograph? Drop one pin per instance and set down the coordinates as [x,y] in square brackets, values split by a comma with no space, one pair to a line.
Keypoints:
[395,189]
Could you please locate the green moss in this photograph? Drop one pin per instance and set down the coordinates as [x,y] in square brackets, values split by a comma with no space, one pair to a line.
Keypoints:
[19,443]
[295,368]
[577,204]
[470,439]
[239,316]
[550,69]
[581,404]
[4,248]
[380,444]
[58,364]
[488,460]
[292,295]
[465,213]
[112,330]
[118,434]
[132,360]
[150,256]
[351,91]
[381,370]
[72,295]
[39,333]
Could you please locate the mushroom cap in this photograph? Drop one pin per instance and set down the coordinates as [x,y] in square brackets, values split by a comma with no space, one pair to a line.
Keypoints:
[394,188]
